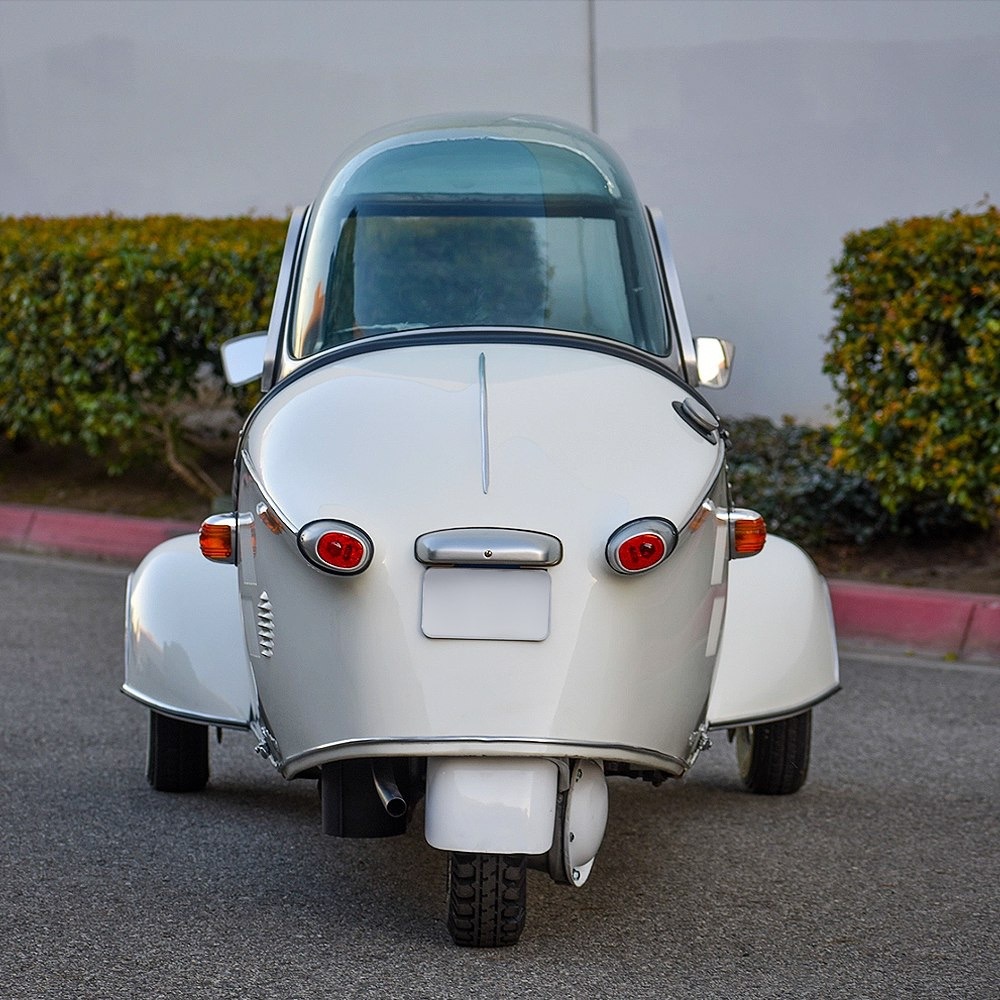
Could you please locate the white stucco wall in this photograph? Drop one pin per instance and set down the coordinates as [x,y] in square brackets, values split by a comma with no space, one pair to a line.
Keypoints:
[765,130]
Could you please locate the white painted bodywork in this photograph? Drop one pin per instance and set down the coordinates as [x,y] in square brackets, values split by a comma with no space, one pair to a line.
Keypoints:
[628,663]
[778,654]
[488,474]
[184,649]
[390,441]
[585,821]
[491,805]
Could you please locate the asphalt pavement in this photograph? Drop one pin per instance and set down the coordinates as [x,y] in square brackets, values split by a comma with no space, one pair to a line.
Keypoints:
[946,624]
[877,880]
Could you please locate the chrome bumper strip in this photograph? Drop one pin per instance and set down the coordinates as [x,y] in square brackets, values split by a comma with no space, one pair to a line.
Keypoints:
[481,746]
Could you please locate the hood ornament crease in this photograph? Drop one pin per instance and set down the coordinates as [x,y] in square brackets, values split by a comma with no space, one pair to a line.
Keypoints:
[484,426]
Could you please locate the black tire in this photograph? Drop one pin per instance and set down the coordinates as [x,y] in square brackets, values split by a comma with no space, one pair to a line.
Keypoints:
[774,757]
[487,899]
[177,759]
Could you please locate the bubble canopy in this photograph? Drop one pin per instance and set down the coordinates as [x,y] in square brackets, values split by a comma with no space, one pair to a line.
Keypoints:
[442,223]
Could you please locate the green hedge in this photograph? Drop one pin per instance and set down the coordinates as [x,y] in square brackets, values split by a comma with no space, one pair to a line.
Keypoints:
[915,359]
[785,472]
[107,323]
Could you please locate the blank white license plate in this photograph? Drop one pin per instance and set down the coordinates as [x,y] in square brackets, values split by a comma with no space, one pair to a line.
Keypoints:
[486,603]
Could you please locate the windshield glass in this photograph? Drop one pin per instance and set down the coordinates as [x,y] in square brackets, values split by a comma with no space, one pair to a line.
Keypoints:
[522,227]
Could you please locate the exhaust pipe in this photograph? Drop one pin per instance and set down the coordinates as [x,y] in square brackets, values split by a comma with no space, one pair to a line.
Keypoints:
[388,791]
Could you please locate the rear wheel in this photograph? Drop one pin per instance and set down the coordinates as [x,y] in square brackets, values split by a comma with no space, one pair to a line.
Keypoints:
[487,899]
[774,757]
[177,758]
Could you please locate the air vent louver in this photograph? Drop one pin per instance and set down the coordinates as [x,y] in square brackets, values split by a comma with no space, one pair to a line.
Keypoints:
[265,625]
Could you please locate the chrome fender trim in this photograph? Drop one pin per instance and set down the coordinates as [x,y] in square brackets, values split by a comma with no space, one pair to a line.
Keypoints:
[180,713]
[786,713]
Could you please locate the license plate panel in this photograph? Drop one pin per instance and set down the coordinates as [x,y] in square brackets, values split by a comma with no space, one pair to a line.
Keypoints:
[511,604]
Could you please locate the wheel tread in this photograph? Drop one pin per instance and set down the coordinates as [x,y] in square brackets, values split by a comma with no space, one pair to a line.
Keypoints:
[779,756]
[486,899]
[177,759]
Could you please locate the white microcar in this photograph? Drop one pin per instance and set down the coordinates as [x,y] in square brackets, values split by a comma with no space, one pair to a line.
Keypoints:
[482,554]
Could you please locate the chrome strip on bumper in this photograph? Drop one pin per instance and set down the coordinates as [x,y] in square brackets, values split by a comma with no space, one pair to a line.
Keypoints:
[481,746]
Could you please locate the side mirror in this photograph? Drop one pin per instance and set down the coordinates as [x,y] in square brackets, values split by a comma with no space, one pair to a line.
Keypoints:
[243,358]
[715,361]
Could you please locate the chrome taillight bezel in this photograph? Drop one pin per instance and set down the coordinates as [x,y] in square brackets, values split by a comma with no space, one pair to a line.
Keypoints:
[659,526]
[311,534]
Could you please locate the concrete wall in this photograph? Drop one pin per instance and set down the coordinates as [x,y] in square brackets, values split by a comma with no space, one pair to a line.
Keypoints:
[765,130]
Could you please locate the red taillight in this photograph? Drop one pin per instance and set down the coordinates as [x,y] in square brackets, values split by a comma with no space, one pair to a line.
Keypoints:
[336,546]
[748,533]
[340,550]
[216,538]
[640,545]
[641,552]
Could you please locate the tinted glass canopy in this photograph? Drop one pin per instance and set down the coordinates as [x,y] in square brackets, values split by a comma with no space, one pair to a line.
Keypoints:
[518,222]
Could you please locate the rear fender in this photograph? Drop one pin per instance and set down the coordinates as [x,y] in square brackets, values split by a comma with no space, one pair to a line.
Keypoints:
[778,653]
[491,805]
[185,652]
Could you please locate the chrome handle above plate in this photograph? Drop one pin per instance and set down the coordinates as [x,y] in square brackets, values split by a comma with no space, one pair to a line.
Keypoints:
[488,547]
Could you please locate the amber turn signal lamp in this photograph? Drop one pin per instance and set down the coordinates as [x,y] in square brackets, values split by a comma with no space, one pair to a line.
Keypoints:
[747,532]
[216,538]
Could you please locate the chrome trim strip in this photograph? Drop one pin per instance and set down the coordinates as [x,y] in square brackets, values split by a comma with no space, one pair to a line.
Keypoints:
[774,716]
[251,471]
[177,713]
[484,423]
[279,309]
[487,547]
[676,299]
[718,469]
[475,746]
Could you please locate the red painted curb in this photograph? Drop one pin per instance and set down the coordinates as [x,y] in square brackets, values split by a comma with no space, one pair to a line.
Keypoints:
[106,536]
[982,641]
[939,622]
